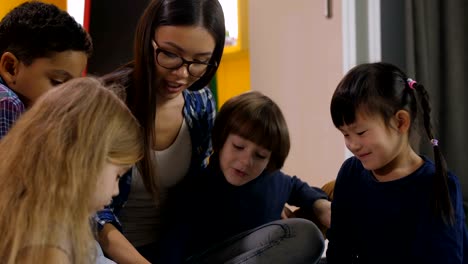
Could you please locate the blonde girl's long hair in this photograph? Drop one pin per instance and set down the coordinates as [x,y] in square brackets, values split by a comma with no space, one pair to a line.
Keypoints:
[50,161]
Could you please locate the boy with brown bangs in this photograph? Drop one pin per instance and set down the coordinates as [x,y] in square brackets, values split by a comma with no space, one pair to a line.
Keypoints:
[245,192]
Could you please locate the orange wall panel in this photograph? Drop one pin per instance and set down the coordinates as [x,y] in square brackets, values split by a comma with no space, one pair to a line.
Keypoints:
[233,76]
[7,6]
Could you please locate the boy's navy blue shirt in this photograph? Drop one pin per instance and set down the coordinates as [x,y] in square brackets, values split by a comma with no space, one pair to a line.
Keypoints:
[213,210]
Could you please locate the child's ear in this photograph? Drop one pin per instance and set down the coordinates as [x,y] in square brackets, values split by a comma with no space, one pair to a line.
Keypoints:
[9,65]
[403,120]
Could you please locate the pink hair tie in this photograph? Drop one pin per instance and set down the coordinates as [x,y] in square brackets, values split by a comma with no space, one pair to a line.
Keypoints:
[411,83]
[434,142]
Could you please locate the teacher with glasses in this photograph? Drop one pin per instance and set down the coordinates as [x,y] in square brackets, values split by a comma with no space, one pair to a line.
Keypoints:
[177,49]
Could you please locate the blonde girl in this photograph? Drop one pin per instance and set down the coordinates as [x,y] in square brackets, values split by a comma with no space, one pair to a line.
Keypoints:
[60,163]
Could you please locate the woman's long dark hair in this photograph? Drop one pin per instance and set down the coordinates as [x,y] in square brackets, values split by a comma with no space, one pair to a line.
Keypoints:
[139,75]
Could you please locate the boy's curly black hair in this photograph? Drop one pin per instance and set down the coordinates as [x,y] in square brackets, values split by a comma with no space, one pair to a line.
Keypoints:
[37,30]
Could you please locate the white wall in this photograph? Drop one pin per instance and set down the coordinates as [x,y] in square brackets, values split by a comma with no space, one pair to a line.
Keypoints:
[76,9]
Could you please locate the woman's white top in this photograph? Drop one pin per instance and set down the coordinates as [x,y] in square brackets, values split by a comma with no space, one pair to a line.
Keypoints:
[142,220]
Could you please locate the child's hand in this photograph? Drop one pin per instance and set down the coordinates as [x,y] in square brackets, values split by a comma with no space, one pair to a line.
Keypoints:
[287,213]
[322,210]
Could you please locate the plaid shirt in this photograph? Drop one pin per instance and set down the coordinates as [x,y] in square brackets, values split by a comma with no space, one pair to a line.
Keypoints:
[199,113]
[11,108]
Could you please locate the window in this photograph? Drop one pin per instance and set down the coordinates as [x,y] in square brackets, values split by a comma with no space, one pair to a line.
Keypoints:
[235,18]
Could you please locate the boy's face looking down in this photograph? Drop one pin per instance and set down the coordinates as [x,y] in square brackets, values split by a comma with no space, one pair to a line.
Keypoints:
[242,160]
[43,74]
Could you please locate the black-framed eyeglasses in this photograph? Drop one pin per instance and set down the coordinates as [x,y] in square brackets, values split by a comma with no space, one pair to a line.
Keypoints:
[171,61]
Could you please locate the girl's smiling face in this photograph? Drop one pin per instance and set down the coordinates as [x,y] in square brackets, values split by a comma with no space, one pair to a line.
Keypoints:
[374,143]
